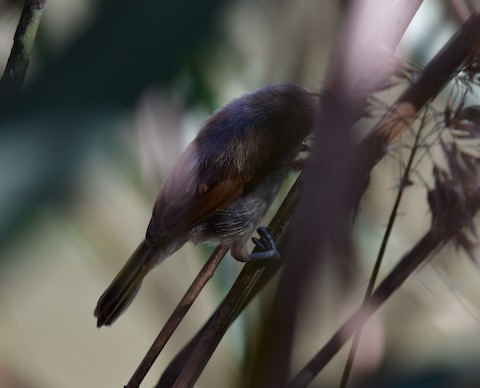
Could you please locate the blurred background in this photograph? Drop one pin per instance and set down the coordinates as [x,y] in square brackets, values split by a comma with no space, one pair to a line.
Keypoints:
[114,92]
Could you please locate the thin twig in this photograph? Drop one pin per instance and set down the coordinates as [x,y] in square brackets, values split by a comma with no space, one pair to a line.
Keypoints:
[404,181]
[16,69]
[177,315]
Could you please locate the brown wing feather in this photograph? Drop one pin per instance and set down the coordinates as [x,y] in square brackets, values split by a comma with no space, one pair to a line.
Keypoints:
[188,197]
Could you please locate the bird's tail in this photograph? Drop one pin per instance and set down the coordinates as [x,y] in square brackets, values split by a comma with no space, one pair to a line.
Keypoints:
[118,296]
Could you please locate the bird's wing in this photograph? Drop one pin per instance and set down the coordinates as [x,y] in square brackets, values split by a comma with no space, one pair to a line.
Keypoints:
[190,196]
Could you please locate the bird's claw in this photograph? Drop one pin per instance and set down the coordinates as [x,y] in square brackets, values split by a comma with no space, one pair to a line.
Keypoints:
[266,244]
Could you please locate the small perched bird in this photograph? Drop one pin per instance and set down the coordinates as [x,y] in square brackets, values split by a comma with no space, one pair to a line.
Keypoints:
[221,186]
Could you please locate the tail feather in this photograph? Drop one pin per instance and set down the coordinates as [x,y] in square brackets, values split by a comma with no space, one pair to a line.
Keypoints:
[118,296]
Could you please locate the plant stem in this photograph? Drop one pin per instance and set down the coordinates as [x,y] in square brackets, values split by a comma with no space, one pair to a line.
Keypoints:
[16,69]
[404,182]
[177,316]
[389,285]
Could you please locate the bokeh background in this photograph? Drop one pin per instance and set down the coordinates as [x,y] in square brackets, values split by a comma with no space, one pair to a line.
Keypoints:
[114,92]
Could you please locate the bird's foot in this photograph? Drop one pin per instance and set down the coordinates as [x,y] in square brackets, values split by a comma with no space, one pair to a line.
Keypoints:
[267,246]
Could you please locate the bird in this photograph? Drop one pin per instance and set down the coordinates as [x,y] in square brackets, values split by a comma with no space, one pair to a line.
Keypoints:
[221,186]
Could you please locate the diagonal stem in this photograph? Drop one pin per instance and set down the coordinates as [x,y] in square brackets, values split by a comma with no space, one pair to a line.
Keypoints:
[16,69]
[392,282]
[376,269]
[177,316]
